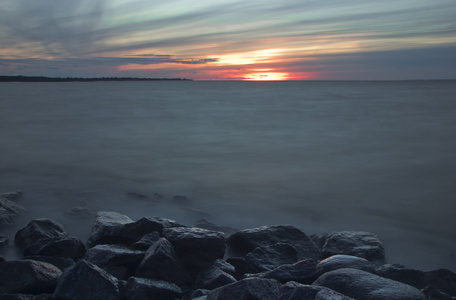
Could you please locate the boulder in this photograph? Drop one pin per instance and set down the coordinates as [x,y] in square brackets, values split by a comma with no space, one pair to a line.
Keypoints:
[12,196]
[303,271]
[296,291]
[359,284]
[224,266]
[114,228]
[433,293]
[161,263]
[9,211]
[341,261]
[267,258]
[247,289]
[68,246]
[36,230]
[443,279]
[196,248]
[212,278]
[146,241]
[244,241]
[86,281]
[142,288]
[62,263]
[28,277]
[240,265]
[357,243]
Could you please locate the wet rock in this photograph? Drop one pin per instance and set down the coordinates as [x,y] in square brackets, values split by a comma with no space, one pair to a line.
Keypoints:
[67,246]
[340,261]
[9,211]
[247,289]
[114,228]
[303,271]
[241,266]
[297,291]
[443,279]
[36,230]
[146,241]
[80,212]
[267,258]
[213,277]
[242,242]
[319,239]
[118,260]
[402,274]
[142,288]
[363,285]
[433,293]
[28,277]
[3,242]
[62,263]
[12,196]
[357,243]
[196,248]
[211,226]
[224,266]
[199,293]
[161,263]
[86,281]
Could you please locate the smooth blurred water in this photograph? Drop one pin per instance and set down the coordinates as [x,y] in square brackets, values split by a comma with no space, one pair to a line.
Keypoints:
[322,156]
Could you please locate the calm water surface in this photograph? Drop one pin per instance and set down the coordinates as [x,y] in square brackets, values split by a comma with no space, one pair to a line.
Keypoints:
[322,156]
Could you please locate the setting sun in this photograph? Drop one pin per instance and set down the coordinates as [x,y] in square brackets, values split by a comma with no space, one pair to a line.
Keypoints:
[267,76]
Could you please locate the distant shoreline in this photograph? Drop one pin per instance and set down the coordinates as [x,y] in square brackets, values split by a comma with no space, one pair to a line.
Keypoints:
[20,78]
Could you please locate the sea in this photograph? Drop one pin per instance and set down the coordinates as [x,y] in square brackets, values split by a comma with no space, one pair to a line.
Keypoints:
[323,156]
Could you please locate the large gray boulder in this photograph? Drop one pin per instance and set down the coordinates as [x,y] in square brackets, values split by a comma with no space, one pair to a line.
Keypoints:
[357,243]
[196,248]
[36,230]
[296,291]
[161,263]
[341,261]
[28,277]
[86,281]
[267,258]
[303,271]
[247,289]
[142,288]
[359,284]
[244,241]
[213,277]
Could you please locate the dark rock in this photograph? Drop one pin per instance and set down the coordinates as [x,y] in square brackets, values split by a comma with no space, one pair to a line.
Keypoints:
[341,261]
[142,288]
[247,289]
[443,279]
[105,227]
[36,230]
[303,271]
[12,196]
[241,266]
[364,285]
[196,248]
[199,293]
[68,246]
[62,263]
[213,278]
[114,228]
[28,277]
[433,293]
[26,297]
[242,242]
[224,266]
[210,226]
[297,291]
[9,211]
[3,242]
[146,241]
[86,281]
[162,263]
[267,258]
[118,260]
[319,239]
[80,212]
[356,243]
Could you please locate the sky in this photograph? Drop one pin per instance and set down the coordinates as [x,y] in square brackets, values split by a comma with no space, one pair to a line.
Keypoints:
[230,39]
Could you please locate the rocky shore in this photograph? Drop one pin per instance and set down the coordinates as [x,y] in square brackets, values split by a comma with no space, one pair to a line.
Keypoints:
[158,258]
